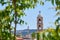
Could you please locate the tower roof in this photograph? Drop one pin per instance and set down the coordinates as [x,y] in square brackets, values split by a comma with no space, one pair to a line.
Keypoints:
[39,15]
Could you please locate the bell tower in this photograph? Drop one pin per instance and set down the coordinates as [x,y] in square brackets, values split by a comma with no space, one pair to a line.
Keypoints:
[39,22]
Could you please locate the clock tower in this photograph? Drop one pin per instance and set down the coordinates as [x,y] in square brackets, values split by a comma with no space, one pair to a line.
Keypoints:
[39,22]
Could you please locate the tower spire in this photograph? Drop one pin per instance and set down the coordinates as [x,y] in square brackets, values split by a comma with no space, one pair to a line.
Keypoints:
[28,29]
[39,15]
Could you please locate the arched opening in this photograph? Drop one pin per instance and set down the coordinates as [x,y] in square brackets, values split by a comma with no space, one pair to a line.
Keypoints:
[39,19]
[39,25]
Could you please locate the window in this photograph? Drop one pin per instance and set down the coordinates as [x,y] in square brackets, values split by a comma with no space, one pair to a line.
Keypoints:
[39,19]
[39,25]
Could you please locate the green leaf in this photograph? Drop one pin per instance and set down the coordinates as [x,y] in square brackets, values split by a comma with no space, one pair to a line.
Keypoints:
[52,1]
[58,13]
[38,36]
[41,3]
[21,22]
[33,35]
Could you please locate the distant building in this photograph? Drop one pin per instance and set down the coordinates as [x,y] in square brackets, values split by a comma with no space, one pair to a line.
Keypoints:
[19,38]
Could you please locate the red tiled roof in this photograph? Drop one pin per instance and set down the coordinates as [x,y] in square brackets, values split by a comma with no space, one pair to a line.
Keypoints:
[19,38]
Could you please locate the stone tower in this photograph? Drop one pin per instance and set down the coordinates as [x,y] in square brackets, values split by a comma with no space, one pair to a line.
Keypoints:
[39,22]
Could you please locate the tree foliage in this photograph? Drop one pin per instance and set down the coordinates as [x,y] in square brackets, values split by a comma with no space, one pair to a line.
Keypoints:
[13,12]
[33,35]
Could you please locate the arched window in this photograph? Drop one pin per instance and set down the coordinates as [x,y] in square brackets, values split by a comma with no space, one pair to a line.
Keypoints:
[39,25]
[39,19]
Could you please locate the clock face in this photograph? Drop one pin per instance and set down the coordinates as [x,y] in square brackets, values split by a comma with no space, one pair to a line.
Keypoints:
[39,21]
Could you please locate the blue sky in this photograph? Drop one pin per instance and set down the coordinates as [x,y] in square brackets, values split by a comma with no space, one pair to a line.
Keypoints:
[31,18]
